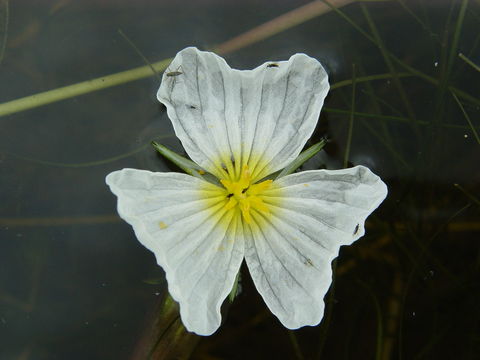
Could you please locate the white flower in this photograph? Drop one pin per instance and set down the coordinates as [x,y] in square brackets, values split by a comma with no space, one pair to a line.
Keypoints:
[242,126]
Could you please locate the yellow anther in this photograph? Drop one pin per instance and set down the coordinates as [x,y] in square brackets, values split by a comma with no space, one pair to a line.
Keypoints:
[257,203]
[258,188]
[245,195]
[246,216]
[228,185]
[231,203]
[245,177]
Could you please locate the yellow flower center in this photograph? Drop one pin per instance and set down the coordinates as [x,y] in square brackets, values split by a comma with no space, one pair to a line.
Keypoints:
[245,195]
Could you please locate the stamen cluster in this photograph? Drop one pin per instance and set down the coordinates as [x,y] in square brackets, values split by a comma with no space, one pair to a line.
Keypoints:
[245,195]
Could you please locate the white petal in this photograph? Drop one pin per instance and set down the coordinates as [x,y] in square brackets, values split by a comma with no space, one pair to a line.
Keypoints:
[289,251]
[260,117]
[181,219]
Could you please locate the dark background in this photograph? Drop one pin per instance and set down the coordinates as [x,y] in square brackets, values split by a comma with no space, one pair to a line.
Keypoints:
[76,284]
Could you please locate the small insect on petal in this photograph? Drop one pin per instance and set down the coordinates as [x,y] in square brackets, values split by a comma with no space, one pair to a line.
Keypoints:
[273,65]
[356,229]
[174,73]
[308,262]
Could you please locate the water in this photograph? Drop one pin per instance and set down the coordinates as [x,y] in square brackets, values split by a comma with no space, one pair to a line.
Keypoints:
[76,284]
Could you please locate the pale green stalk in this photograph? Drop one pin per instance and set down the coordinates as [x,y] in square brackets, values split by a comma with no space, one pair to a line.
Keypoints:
[264,31]
[302,158]
[236,287]
[183,163]
[47,97]
[469,62]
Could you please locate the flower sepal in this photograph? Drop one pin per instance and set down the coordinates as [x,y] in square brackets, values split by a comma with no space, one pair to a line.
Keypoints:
[302,158]
[182,162]
[237,287]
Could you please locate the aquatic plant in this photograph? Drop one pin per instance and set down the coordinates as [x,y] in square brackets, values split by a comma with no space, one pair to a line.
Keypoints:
[240,127]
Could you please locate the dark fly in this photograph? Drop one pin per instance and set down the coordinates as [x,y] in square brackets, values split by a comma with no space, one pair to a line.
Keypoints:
[355,232]
[175,73]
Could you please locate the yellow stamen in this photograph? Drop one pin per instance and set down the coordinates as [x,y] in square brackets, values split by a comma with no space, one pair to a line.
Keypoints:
[245,195]
[258,188]
[231,203]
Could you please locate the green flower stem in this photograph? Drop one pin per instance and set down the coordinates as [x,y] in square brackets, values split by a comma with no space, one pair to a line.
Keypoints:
[81,88]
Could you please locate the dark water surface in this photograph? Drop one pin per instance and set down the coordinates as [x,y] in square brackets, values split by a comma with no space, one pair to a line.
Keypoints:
[76,284]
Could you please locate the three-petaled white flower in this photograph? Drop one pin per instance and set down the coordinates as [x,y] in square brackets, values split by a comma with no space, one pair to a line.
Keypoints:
[242,126]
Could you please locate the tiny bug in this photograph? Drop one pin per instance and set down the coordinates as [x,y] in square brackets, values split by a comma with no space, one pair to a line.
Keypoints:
[272,65]
[175,73]
[308,262]
[356,229]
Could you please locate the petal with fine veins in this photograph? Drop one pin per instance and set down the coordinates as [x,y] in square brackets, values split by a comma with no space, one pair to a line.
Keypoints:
[290,249]
[260,117]
[197,242]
